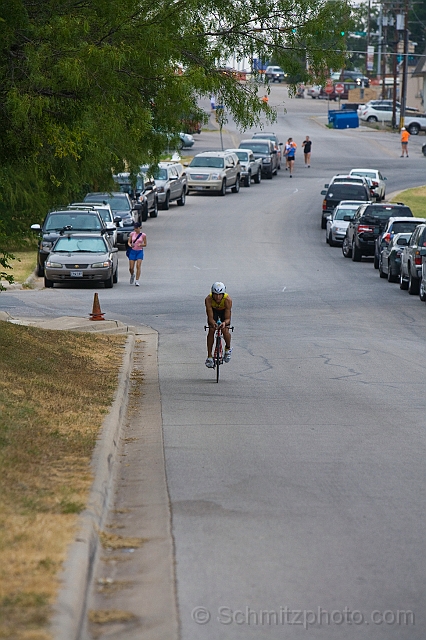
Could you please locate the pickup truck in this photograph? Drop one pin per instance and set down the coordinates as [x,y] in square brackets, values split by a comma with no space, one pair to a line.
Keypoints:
[415,123]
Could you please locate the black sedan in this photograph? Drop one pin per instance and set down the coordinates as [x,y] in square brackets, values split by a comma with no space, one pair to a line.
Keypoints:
[390,257]
[82,258]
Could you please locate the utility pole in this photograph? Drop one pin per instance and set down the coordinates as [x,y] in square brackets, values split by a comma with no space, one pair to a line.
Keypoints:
[404,68]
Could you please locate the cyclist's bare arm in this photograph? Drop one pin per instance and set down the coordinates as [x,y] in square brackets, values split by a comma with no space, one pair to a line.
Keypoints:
[209,311]
[228,307]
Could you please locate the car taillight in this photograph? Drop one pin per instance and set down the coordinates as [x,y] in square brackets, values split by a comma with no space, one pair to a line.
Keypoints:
[386,238]
[417,259]
[362,228]
[324,205]
[375,184]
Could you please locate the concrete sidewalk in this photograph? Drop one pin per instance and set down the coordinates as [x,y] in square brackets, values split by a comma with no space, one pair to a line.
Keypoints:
[128,504]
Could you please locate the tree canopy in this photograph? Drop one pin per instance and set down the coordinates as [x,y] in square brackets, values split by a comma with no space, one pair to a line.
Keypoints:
[91,86]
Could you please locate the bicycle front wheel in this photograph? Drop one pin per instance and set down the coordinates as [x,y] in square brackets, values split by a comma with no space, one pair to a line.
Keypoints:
[218,357]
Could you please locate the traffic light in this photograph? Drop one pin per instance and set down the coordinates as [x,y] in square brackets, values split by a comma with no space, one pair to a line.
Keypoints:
[342,33]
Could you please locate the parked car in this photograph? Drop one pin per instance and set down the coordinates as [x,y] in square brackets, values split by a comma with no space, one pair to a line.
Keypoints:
[369,221]
[338,221]
[214,171]
[396,224]
[339,191]
[348,178]
[57,222]
[263,150]
[251,169]
[82,258]
[268,135]
[422,288]
[122,207]
[186,140]
[314,91]
[415,123]
[378,184]
[104,210]
[411,261]
[171,182]
[275,74]
[385,103]
[390,258]
[142,190]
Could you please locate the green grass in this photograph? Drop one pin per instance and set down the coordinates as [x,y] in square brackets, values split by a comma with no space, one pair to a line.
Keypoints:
[23,265]
[415,199]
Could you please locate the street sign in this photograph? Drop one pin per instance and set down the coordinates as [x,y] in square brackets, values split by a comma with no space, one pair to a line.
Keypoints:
[329,88]
[339,87]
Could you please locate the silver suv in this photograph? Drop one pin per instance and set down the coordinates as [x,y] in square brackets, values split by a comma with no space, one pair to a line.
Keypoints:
[171,182]
[214,171]
[275,74]
[251,169]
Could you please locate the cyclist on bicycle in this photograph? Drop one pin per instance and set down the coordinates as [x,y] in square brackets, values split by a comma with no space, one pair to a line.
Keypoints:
[218,306]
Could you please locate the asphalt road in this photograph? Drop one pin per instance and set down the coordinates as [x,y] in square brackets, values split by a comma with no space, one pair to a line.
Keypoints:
[297,482]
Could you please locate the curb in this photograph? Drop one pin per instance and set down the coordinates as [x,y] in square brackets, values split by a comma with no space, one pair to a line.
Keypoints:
[69,620]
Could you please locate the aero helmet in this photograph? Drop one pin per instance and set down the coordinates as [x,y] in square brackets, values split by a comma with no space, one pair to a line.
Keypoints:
[218,287]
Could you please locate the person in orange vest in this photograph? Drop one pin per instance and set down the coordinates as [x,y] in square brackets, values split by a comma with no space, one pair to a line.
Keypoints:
[265,99]
[404,141]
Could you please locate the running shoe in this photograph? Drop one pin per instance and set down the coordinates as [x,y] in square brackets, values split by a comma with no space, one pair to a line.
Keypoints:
[210,363]
[137,283]
[132,278]
[228,353]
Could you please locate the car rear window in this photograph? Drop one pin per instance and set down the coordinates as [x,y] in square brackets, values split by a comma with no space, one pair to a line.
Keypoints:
[404,227]
[385,211]
[347,192]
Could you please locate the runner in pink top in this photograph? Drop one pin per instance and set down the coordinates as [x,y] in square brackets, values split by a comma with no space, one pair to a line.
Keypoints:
[136,242]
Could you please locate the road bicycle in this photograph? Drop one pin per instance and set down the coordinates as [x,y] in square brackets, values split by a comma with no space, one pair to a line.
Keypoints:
[218,354]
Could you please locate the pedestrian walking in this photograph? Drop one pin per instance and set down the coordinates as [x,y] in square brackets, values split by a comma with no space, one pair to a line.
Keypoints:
[136,244]
[307,145]
[290,154]
[404,142]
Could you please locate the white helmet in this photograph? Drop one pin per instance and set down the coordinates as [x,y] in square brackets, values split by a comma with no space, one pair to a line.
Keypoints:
[218,287]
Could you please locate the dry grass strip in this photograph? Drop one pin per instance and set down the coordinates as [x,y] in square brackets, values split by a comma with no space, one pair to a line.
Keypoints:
[55,389]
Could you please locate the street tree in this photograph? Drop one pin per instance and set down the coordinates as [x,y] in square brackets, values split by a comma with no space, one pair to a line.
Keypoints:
[91,87]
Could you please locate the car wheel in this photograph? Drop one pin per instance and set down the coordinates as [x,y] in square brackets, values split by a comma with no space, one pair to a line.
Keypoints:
[327,238]
[222,191]
[270,174]
[414,129]
[403,282]
[48,283]
[109,283]
[356,253]
[236,187]
[40,270]
[145,213]
[372,119]
[181,201]
[247,181]
[115,276]
[346,248]
[413,285]
[331,241]
[154,212]
[166,203]
[376,261]
[258,177]
[422,292]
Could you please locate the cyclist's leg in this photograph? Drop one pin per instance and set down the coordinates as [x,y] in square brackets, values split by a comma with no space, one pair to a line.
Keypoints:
[210,341]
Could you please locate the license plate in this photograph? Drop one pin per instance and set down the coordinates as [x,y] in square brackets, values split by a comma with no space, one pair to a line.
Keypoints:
[198,188]
[76,274]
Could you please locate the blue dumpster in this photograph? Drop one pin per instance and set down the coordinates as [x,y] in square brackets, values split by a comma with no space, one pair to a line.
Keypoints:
[345,120]
[331,115]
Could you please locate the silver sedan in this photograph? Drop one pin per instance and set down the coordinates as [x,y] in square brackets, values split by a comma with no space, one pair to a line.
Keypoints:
[338,221]
[82,258]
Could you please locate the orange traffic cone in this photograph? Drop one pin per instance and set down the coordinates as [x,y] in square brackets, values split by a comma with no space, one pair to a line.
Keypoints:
[96,311]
